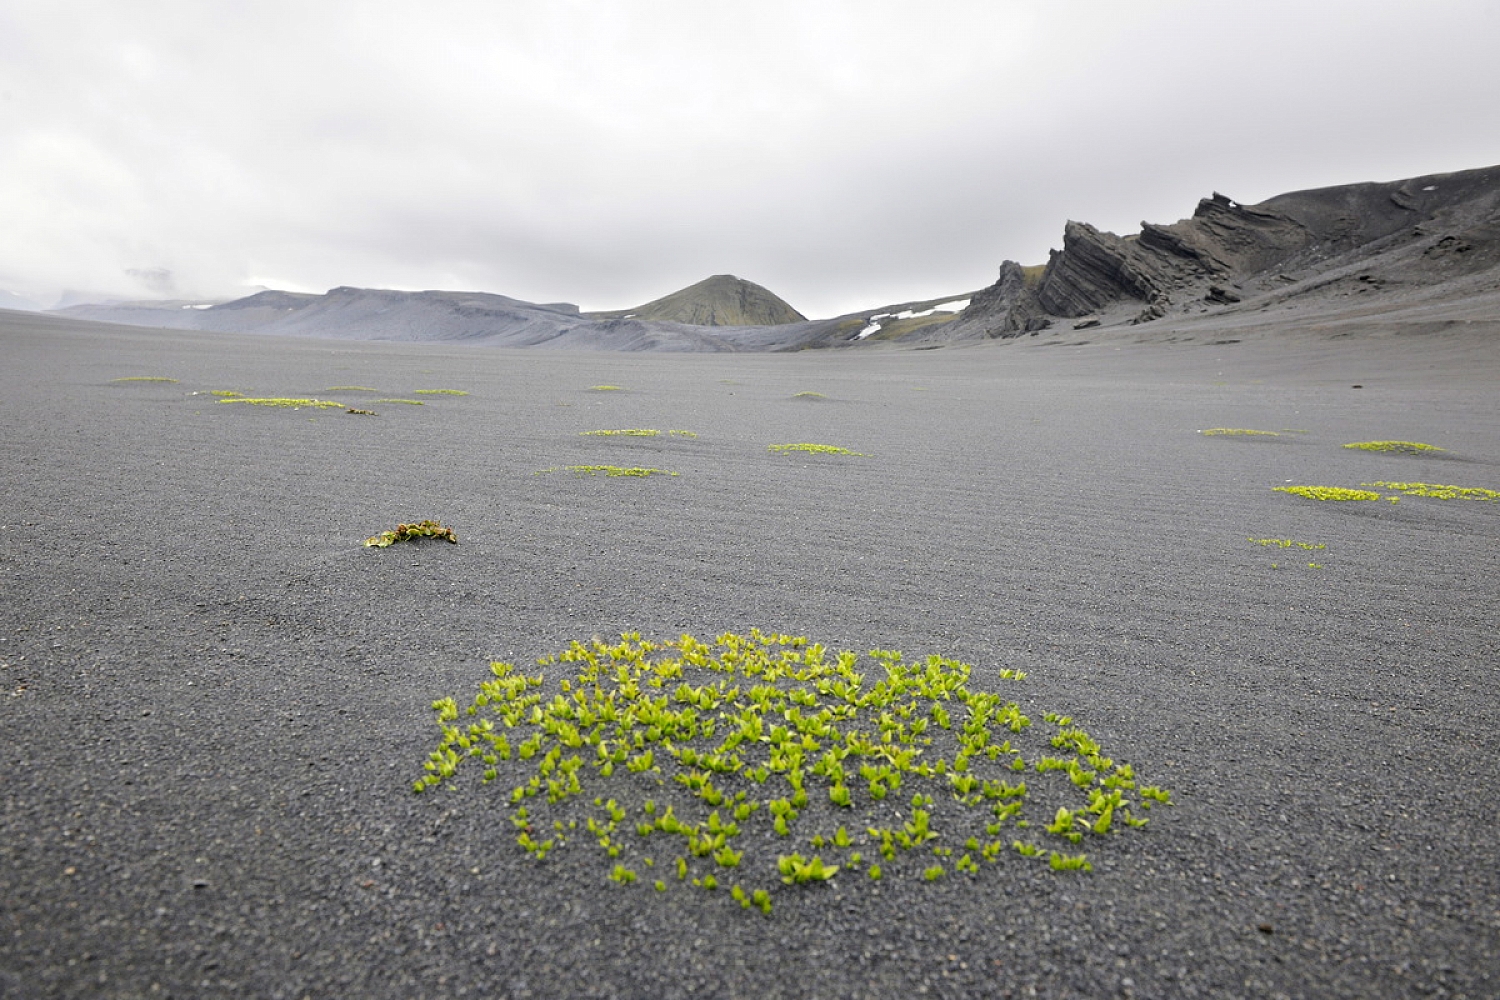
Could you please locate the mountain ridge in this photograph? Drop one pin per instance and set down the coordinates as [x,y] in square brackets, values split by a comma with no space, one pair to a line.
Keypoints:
[1371,248]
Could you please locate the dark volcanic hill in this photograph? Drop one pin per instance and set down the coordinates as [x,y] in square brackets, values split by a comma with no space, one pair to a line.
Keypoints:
[722,300]
[1353,248]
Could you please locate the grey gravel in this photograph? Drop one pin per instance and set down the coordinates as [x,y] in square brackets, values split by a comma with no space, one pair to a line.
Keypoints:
[213,699]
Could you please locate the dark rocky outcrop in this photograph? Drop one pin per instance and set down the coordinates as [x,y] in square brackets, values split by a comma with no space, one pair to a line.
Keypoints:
[1227,253]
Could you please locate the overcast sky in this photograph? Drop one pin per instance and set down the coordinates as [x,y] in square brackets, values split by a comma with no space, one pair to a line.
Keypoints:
[843,154]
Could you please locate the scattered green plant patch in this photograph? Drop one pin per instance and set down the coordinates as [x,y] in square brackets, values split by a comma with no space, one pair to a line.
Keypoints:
[295,404]
[1438,492]
[410,533]
[778,764]
[144,378]
[682,434]
[606,388]
[367,413]
[809,395]
[1237,432]
[641,432]
[350,388]
[408,402]
[1404,447]
[225,393]
[1286,543]
[1327,492]
[440,392]
[609,470]
[819,449]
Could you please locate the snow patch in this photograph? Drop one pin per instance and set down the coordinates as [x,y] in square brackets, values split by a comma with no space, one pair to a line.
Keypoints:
[873,324]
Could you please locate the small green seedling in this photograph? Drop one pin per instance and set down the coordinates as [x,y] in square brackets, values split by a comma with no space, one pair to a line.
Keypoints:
[411,532]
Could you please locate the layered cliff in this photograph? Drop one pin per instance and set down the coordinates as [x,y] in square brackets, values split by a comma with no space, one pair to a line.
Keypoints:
[1227,254]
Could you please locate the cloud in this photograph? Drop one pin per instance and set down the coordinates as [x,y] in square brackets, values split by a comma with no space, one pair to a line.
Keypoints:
[844,154]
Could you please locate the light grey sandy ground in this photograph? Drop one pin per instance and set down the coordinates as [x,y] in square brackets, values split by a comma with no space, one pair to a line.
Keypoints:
[215,700]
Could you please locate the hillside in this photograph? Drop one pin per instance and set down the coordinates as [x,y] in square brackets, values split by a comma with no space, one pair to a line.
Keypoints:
[1355,249]
[722,300]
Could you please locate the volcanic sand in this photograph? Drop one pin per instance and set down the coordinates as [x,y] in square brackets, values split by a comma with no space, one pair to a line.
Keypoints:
[214,699]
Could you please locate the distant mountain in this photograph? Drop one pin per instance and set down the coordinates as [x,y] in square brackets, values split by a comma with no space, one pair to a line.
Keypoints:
[10,300]
[722,300]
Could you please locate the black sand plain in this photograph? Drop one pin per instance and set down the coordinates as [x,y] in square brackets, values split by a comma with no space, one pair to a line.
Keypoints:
[214,699]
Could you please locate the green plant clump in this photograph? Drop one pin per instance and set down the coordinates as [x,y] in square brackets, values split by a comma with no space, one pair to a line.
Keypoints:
[779,761]
[1438,492]
[1405,447]
[1237,432]
[606,388]
[1327,492]
[350,388]
[641,432]
[1286,543]
[819,449]
[637,471]
[144,378]
[408,402]
[440,392]
[411,532]
[295,404]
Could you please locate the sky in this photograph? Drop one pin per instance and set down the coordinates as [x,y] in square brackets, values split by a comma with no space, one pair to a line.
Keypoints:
[846,154]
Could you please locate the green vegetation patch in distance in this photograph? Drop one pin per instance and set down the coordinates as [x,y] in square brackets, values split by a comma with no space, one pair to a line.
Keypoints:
[1438,492]
[640,432]
[1327,492]
[818,449]
[408,402]
[295,404]
[606,388]
[144,378]
[1404,447]
[772,764]
[610,470]
[350,388]
[1286,543]
[1237,432]
[440,392]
